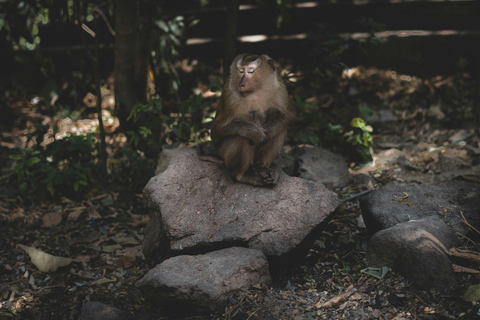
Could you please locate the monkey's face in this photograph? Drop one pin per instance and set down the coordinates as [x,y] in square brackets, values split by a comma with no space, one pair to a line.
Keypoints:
[246,76]
[250,72]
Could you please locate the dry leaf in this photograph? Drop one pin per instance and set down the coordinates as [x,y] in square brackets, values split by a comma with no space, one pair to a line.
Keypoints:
[126,240]
[75,214]
[100,281]
[52,219]
[45,262]
[108,249]
[338,299]
[124,262]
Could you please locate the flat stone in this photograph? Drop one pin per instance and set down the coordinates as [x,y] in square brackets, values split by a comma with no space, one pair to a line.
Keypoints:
[202,284]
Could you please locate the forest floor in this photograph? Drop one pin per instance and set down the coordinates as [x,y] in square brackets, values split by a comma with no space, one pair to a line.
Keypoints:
[103,234]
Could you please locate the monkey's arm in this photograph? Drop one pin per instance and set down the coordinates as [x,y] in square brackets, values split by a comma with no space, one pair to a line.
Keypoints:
[276,122]
[244,129]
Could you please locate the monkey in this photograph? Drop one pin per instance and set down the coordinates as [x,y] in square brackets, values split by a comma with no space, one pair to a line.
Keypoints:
[250,125]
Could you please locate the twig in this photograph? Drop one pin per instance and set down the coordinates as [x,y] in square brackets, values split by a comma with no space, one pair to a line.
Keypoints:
[109,26]
[461,269]
[464,236]
[468,224]
[253,313]
[465,254]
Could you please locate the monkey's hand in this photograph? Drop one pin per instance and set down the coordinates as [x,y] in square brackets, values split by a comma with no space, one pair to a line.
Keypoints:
[257,134]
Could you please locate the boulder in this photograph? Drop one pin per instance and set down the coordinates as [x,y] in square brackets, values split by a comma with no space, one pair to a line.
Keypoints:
[99,311]
[202,284]
[394,203]
[323,166]
[196,207]
[417,250]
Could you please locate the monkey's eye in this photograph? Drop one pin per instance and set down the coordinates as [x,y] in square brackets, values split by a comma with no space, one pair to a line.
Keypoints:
[251,70]
[241,70]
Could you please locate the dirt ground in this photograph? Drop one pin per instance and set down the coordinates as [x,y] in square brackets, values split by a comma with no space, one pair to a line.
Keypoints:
[103,234]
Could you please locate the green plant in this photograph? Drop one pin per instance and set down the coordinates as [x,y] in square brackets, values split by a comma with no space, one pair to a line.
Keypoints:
[182,127]
[64,168]
[320,127]
[361,138]
[170,37]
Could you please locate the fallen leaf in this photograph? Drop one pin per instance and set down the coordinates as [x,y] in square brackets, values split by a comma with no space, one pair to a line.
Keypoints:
[338,299]
[108,249]
[75,213]
[124,262]
[126,240]
[378,273]
[472,293]
[52,219]
[31,282]
[100,281]
[45,262]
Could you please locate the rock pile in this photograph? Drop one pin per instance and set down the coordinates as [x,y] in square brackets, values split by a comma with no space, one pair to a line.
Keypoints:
[196,208]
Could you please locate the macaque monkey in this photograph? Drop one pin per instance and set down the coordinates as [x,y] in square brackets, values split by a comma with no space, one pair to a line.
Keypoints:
[250,126]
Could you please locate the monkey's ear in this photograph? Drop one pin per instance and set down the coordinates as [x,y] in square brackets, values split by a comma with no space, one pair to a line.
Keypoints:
[271,62]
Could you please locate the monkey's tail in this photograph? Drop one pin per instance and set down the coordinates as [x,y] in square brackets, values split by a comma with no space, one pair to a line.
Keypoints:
[206,152]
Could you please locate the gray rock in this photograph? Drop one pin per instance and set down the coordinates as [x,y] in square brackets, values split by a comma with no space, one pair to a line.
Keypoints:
[417,250]
[393,204]
[203,283]
[164,159]
[389,157]
[363,181]
[385,117]
[287,162]
[321,165]
[99,311]
[195,207]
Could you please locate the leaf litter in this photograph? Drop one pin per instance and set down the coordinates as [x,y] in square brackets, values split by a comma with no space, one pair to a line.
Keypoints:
[99,238]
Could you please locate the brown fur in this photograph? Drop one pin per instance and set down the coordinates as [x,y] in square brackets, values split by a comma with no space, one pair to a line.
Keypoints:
[252,118]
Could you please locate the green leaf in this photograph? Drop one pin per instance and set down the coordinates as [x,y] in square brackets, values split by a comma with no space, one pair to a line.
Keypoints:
[16,156]
[357,123]
[472,293]
[378,273]
[144,131]
[335,127]
[50,188]
[33,161]
[23,187]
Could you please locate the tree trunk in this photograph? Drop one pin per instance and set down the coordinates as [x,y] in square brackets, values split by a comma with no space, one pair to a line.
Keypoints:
[230,36]
[130,61]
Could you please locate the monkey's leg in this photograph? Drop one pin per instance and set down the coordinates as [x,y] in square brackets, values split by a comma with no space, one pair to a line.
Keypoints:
[238,154]
[266,154]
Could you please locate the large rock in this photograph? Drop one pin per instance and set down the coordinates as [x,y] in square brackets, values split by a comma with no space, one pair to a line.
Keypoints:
[203,283]
[394,203]
[321,165]
[195,207]
[417,250]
